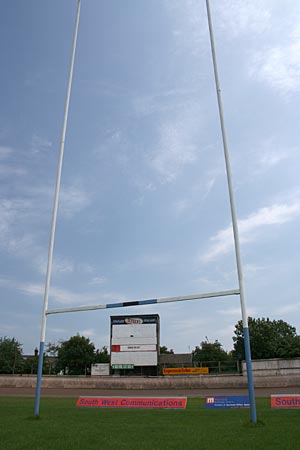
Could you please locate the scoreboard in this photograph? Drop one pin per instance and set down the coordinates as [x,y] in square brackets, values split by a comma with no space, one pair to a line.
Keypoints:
[134,340]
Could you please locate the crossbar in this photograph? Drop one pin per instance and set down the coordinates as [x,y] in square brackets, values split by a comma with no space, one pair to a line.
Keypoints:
[145,302]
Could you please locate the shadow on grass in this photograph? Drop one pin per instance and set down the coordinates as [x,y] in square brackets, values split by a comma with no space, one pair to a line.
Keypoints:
[258,424]
[33,418]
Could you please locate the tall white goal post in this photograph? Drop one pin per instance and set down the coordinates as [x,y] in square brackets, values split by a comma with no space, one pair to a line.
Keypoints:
[239,291]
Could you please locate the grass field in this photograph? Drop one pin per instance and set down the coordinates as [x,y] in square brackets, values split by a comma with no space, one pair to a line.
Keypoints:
[62,426]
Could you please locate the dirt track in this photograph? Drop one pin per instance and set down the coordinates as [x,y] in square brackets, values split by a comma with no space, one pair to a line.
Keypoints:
[190,393]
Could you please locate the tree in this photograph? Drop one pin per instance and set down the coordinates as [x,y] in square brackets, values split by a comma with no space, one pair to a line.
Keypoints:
[210,351]
[75,356]
[268,339]
[102,355]
[11,357]
[52,349]
[31,363]
[165,350]
[50,358]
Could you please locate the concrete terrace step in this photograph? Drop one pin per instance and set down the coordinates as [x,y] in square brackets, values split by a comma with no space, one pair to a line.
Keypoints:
[166,382]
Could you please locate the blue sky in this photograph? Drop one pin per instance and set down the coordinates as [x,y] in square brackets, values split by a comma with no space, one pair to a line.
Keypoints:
[144,209]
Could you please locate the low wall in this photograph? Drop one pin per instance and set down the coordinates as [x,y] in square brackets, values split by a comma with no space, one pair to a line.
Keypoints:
[182,382]
[274,367]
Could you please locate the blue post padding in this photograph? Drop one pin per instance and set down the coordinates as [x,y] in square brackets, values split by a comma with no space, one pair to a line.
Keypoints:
[148,302]
[39,380]
[249,374]
[114,305]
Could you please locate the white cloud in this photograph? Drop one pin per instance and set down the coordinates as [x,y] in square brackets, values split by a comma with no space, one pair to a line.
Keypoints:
[228,331]
[189,25]
[12,213]
[86,268]
[155,259]
[40,144]
[146,261]
[98,280]
[181,206]
[279,66]
[243,16]
[34,289]
[7,215]
[57,331]
[23,244]
[162,102]
[8,169]
[207,284]
[277,214]
[65,297]
[210,183]
[254,271]
[23,216]
[236,312]
[235,17]
[89,332]
[196,194]
[68,297]
[73,199]
[30,288]
[290,308]
[172,153]
[17,216]
[269,154]
[189,323]
[176,147]
[114,146]
[4,133]
[62,265]
[5,152]
[221,279]
[273,158]
[6,328]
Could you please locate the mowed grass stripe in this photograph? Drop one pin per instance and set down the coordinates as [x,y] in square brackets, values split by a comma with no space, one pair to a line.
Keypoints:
[63,426]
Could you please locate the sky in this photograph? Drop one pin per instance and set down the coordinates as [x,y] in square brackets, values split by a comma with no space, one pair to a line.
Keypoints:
[144,208]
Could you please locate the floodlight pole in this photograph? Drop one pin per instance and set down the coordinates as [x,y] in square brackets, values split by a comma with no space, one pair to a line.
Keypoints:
[54,217]
[234,225]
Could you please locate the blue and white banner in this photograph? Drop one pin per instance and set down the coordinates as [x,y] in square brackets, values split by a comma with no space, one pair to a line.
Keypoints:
[134,320]
[223,401]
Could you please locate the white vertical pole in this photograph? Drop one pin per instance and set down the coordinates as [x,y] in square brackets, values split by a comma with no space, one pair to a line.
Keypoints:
[234,225]
[54,217]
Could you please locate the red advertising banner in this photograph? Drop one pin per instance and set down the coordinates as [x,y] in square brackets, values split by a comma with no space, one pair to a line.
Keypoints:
[115,348]
[133,402]
[285,401]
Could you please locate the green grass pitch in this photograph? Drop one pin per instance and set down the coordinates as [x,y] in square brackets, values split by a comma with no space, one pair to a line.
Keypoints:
[63,426]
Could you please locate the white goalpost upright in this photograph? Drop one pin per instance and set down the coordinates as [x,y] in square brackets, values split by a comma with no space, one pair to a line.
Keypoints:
[234,223]
[239,291]
[54,217]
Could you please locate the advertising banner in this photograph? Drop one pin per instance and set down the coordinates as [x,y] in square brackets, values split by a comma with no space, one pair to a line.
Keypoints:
[230,401]
[133,402]
[100,369]
[122,366]
[285,401]
[138,348]
[185,371]
[134,320]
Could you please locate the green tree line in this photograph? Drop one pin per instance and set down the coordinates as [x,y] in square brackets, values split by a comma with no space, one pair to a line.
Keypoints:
[73,356]
[269,339]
